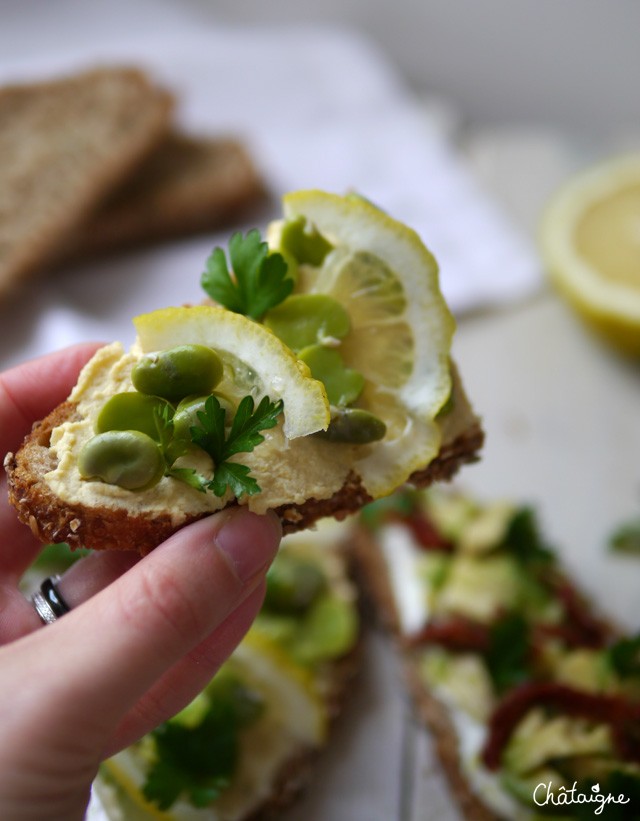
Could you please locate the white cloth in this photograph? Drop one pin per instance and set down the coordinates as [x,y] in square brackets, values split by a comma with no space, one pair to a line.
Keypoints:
[317,108]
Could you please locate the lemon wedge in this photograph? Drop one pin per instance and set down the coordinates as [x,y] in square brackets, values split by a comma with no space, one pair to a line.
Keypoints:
[590,242]
[401,329]
[255,360]
[294,718]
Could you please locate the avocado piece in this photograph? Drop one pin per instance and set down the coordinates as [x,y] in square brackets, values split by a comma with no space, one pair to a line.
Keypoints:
[481,587]
[538,740]
[585,669]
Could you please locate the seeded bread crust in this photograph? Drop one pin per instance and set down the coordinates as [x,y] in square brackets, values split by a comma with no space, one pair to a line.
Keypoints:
[296,773]
[64,145]
[185,186]
[103,528]
[374,581]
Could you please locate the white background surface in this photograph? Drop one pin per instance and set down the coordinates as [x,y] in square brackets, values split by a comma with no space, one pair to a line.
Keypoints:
[559,409]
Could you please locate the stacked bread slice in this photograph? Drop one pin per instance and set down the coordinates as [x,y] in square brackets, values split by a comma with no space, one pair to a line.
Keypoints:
[80,154]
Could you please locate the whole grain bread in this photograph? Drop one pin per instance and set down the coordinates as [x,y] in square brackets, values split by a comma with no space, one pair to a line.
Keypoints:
[373,578]
[109,529]
[185,186]
[65,144]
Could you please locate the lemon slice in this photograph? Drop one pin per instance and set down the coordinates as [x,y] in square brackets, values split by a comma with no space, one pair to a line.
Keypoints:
[401,328]
[256,360]
[590,242]
[294,719]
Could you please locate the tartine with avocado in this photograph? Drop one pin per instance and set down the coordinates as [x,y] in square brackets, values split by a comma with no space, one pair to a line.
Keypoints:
[532,697]
[315,378]
[245,746]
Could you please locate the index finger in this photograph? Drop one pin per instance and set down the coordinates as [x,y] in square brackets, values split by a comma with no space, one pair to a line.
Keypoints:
[29,391]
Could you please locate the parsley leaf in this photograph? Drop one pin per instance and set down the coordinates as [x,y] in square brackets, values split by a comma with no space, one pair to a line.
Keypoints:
[508,654]
[259,279]
[523,539]
[243,437]
[624,656]
[197,761]
[626,538]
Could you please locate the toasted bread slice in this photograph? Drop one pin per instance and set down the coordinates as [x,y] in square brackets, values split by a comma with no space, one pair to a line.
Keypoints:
[491,631]
[187,185]
[52,519]
[356,392]
[64,145]
[304,676]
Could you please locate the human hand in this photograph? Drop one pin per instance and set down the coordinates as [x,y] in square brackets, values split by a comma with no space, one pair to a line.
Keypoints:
[142,638]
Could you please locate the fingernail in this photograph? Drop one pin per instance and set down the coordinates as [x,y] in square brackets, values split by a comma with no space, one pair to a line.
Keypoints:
[249,541]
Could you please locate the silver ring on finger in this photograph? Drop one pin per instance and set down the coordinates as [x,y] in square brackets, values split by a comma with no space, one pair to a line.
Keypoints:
[48,601]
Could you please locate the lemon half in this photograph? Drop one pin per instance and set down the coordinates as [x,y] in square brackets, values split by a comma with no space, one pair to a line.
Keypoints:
[401,328]
[260,363]
[590,242]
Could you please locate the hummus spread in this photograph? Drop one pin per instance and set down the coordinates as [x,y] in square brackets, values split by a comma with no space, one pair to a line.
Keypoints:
[288,471]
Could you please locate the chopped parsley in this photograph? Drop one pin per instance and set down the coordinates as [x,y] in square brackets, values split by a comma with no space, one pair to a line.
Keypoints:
[259,280]
[523,539]
[507,656]
[212,437]
[244,435]
[624,656]
[198,761]
[626,539]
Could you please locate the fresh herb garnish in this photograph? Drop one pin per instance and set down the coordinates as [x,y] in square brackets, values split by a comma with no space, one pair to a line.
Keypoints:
[507,656]
[626,539]
[624,656]
[523,539]
[199,761]
[212,437]
[243,437]
[259,279]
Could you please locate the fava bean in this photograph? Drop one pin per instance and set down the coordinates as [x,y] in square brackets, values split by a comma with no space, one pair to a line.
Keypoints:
[343,385]
[293,584]
[127,458]
[306,319]
[186,415]
[304,242]
[178,372]
[131,411]
[354,426]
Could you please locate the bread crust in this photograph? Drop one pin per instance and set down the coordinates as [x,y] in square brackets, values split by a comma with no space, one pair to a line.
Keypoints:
[295,774]
[186,185]
[374,581]
[101,528]
[65,144]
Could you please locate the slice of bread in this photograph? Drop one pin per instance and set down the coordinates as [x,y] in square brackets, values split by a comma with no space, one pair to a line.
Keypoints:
[100,528]
[413,421]
[64,144]
[276,754]
[442,573]
[187,185]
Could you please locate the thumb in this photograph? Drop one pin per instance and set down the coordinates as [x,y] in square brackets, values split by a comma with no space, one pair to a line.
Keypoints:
[105,654]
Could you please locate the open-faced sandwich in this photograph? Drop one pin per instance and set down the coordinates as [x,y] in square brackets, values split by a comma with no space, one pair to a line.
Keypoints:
[534,700]
[245,746]
[318,378]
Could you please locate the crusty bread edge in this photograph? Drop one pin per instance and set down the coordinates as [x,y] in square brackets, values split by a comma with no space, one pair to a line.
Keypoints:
[103,181]
[374,581]
[113,228]
[102,528]
[296,773]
